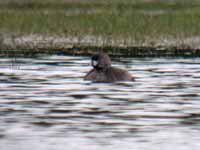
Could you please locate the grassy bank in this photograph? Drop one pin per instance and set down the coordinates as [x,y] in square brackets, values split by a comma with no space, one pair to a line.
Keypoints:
[114,22]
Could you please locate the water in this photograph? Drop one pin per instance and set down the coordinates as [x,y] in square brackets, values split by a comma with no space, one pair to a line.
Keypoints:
[45,104]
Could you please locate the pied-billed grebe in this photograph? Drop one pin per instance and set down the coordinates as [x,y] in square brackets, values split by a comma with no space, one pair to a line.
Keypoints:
[103,71]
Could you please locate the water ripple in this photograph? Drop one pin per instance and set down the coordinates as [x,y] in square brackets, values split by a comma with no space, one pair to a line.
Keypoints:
[46,97]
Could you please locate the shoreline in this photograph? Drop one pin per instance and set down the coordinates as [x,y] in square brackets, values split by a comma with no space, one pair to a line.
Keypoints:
[30,44]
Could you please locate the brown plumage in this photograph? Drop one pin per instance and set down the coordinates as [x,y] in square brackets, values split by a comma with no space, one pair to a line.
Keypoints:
[103,71]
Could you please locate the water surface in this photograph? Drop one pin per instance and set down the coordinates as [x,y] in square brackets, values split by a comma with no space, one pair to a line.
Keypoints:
[45,104]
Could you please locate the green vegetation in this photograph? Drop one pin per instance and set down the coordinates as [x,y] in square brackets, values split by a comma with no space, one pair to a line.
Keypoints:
[138,20]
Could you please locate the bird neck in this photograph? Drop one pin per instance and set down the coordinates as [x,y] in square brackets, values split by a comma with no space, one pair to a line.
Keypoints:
[104,69]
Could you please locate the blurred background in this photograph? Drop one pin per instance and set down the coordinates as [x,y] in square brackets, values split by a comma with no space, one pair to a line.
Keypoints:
[66,23]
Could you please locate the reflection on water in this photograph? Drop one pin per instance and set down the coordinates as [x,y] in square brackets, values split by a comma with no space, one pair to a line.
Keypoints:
[45,104]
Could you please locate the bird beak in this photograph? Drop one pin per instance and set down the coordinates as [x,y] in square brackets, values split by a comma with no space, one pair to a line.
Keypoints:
[94,63]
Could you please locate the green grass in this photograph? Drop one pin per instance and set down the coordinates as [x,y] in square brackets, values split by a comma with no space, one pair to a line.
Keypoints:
[136,19]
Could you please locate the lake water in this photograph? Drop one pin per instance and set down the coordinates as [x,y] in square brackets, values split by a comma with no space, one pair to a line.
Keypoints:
[45,104]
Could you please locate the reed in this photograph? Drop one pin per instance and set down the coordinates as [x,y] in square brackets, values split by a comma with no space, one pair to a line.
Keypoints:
[139,20]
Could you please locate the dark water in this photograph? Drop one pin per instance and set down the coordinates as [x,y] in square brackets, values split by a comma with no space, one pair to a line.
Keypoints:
[46,105]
